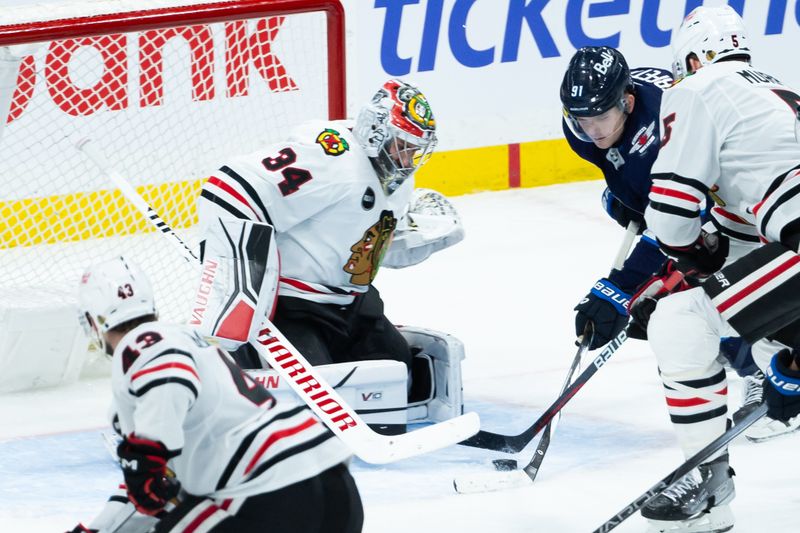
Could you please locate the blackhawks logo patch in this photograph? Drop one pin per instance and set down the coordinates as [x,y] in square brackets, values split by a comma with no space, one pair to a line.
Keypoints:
[332,142]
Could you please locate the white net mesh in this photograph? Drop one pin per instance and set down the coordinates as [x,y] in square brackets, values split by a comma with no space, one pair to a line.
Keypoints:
[166,106]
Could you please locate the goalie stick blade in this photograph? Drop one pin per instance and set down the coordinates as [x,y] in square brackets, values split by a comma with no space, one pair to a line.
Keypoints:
[375,448]
[491,481]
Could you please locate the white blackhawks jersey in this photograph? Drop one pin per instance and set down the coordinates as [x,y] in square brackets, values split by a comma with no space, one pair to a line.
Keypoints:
[232,439]
[318,189]
[730,131]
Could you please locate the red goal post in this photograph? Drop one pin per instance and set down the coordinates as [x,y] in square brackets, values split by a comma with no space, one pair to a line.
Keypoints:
[167,90]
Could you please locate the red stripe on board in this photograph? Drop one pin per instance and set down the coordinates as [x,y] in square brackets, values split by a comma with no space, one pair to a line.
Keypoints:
[691,402]
[514,172]
[230,190]
[757,284]
[180,366]
[275,437]
[674,194]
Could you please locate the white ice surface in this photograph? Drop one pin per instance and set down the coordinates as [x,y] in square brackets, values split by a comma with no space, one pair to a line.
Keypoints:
[507,291]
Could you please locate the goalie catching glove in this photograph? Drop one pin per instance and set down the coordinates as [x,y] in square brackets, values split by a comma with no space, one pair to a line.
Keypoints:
[430,225]
[144,465]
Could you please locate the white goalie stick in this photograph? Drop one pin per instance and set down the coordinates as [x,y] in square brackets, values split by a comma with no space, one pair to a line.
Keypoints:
[493,481]
[306,381]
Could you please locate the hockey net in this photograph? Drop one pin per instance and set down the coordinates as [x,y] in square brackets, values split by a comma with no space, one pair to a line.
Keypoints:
[167,91]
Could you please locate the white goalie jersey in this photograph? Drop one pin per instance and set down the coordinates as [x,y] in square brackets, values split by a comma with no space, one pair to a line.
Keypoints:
[230,437]
[333,221]
[729,131]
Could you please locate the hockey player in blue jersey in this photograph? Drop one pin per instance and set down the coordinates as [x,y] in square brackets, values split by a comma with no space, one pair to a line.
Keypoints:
[611,119]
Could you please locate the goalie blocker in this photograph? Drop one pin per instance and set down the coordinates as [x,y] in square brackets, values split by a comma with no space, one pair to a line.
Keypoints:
[238,285]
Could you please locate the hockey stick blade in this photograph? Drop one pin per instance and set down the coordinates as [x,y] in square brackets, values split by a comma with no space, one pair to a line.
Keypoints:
[690,464]
[494,481]
[516,443]
[307,382]
[533,466]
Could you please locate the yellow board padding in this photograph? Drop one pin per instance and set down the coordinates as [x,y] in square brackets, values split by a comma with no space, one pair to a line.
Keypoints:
[552,162]
[486,169]
[465,171]
[96,214]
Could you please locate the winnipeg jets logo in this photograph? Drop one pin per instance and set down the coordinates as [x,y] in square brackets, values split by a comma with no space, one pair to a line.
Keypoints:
[643,139]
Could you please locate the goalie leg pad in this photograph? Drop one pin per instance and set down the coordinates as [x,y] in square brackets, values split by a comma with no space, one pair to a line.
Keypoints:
[239,281]
[375,389]
[444,354]
[759,294]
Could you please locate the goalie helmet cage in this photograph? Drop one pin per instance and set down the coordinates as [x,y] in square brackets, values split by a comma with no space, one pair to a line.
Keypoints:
[167,91]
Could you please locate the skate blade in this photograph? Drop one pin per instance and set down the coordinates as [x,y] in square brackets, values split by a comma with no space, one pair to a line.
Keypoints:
[717,520]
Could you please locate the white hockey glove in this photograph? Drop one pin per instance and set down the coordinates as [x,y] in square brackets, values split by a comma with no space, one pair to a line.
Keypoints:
[431,224]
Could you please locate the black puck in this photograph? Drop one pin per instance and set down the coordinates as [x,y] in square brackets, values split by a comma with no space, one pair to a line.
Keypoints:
[505,465]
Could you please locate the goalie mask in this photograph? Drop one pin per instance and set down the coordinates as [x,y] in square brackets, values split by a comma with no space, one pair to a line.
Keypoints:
[398,132]
[112,293]
[593,93]
[709,34]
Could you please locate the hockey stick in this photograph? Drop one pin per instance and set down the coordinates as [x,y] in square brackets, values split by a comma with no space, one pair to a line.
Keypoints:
[690,464]
[491,481]
[306,381]
[532,468]
[515,443]
[130,194]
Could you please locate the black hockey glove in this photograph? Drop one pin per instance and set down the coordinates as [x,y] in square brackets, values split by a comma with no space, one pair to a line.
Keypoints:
[644,301]
[702,258]
[606,306]
[620,212]
[782,393]
[144,464]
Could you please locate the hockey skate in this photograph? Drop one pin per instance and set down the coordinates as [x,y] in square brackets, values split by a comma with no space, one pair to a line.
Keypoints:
[767,428]
[752,395]
[697,503]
